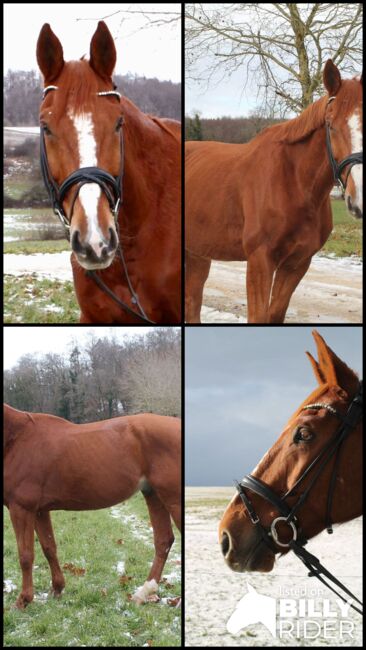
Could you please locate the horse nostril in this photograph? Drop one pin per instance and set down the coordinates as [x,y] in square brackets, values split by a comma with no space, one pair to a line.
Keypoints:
[76,244]
[104,252]
[225,544]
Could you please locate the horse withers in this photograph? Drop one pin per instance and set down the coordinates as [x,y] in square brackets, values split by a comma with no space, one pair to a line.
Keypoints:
[52,464]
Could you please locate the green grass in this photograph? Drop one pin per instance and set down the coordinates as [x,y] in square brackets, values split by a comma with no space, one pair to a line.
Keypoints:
[346,237]
[28,247]
[27,298]
[94,609]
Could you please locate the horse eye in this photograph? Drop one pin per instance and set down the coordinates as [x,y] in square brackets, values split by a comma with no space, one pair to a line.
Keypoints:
[119,124]
[45,129]
[303,434]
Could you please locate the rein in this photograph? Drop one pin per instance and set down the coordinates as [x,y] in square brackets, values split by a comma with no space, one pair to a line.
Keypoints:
[112,188]
[288,515]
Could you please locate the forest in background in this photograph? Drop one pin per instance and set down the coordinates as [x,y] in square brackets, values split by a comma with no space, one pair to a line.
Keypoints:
[23,95]
[237,130]
[101,379]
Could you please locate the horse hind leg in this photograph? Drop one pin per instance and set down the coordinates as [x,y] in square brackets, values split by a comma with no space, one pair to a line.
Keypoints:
[44,530]
[197,270]
[163,541]
[23,524]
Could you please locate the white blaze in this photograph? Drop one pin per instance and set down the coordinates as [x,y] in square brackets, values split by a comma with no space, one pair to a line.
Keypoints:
[90,192]
[355,128]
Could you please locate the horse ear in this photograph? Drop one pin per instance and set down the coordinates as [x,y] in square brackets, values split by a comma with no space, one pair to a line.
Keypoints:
[103,54]
[50,56]
[335,371]
[317,370]
[331,78]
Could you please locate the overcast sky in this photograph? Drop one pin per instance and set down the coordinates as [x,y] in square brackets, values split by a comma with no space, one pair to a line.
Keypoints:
[242,385]
[40,340]
[150,51]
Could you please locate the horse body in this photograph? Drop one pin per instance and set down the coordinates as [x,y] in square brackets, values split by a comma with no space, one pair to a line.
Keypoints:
[52,464]
[267,202]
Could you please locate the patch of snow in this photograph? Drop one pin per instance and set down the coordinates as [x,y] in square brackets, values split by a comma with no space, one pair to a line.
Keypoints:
[48,265]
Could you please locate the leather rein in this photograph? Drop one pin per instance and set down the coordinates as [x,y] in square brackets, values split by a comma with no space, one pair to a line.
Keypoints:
[288,515]
[112,188]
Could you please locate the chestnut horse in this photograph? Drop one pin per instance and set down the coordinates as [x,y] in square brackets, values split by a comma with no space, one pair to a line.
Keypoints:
[312,476]
[113,175]
[52,464]
[267,202]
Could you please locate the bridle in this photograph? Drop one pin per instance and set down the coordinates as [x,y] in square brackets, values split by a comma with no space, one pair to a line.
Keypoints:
[110,185]
[288,515]
[349,161]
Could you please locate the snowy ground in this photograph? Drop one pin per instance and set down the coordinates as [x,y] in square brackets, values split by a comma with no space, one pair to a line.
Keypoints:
[45,265]
[331,292]
[212,591]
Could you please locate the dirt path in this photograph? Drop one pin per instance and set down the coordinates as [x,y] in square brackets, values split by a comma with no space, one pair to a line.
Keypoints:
[331,292]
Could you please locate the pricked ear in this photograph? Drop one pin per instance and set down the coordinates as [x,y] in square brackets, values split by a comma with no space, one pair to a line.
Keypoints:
[50,56]
[335,371]
[102,52]
[331,78]
[316,368]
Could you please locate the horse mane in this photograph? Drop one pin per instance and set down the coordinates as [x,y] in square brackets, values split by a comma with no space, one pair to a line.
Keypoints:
[300,127]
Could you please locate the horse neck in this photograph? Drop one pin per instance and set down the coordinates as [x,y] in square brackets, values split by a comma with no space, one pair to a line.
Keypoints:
[143,179]
[14,424]
[313,162]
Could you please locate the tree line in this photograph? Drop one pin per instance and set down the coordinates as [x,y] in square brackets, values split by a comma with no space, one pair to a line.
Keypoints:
[237,130]
[23,94]
[101,379]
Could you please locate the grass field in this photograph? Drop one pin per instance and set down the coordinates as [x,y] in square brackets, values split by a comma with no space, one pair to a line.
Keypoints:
[28,299]
[346,237]
[94,609]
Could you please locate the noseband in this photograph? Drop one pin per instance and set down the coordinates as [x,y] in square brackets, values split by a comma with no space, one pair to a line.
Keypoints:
[111,186]
[288,515]
[349,161]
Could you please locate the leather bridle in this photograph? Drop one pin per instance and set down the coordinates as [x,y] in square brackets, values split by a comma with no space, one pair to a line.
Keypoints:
[288,514]
[110,185]
[349,161]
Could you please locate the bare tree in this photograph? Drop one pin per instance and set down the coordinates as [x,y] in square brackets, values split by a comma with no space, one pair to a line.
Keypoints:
[280,48]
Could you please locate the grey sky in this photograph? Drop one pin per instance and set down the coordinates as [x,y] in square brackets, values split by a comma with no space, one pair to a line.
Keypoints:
[40,340]
[152,51]
[242,385]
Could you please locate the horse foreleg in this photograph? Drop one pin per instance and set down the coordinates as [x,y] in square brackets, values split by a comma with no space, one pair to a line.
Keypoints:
[46,537]
[23,524]
[163,540]
[260,270]
[286,280]
[197,270]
